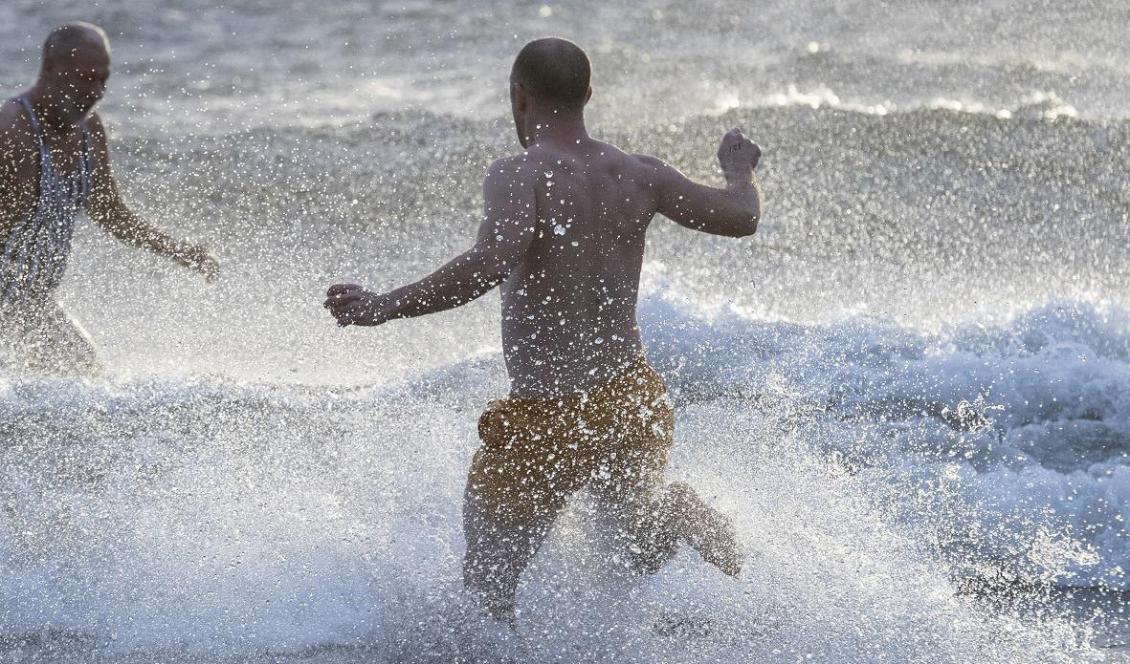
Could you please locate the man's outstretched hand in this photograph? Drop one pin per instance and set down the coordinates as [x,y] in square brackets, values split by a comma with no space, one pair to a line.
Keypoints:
[738,155]
[198,259]
[351,304]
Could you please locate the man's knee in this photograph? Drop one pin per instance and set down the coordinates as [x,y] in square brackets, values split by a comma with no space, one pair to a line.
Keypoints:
[653,555]
[641,534]
[680,497]
[655,525]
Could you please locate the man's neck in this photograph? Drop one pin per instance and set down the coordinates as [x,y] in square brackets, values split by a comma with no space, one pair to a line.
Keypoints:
[557,128]
[46,112]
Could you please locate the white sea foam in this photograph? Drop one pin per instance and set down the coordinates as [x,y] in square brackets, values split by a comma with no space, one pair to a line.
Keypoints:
[1023,428]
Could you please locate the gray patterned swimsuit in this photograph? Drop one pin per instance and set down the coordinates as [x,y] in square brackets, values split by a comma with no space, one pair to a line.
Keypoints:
[36,334]
[35,254]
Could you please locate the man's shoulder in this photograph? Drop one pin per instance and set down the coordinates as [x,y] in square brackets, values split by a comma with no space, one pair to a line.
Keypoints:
[94,124]
[13,119]
[627,162]
[514,161]
[96,131]
[649,162]
[16,132]
[520,167]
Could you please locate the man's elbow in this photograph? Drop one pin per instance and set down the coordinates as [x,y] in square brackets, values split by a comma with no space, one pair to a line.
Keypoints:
[746,226]
[110,217]
[106,220]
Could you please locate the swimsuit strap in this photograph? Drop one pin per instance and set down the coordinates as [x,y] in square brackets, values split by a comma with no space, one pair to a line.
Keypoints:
[34,124]
[86,161]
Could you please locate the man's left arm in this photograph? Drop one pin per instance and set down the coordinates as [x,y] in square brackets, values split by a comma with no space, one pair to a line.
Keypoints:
[107,209]
[505,234]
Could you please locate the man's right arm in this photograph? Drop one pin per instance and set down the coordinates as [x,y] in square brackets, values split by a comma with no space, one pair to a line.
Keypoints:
[505,234]
[733,211]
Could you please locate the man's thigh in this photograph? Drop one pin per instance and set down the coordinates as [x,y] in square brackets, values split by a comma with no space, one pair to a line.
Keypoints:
[632,511]
[508,509]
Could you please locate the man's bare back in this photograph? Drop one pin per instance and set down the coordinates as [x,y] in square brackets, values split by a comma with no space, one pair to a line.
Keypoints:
[569,306]
[563,232]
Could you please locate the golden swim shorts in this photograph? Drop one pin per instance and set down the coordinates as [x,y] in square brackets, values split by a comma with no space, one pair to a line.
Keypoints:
[536,452]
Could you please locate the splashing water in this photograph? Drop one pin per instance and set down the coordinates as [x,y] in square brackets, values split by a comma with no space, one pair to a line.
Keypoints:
[911,390]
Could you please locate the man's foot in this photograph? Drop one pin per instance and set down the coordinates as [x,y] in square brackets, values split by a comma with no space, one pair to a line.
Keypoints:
[722,549]
[706,529]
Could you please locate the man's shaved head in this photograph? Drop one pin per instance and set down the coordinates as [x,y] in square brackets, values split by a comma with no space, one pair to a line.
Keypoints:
[76,64]
[555,71]
[66,41]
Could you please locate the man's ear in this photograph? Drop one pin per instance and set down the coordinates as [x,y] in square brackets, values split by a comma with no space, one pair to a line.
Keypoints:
[588,94]
[521,97]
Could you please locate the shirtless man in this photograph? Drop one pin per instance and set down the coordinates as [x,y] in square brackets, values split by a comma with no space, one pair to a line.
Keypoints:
[563,233]
[54,162]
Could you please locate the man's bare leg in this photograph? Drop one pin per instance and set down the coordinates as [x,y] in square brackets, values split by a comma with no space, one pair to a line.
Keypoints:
[497,553]
[648,523]
[67,349]
[707,530]
[46,341]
